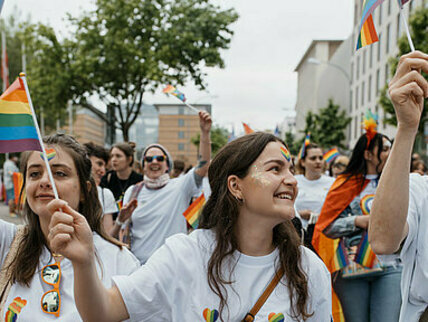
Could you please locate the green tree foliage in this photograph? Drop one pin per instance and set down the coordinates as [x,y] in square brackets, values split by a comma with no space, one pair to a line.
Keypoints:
[327,128]
[123,49]
[419,33]
[293,144]
[219,138]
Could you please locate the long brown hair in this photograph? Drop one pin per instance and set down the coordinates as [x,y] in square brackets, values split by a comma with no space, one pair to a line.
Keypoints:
[23,267]
[221,212]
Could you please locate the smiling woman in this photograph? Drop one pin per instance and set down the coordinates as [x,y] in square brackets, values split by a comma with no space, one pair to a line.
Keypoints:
[40,296]
[218,272]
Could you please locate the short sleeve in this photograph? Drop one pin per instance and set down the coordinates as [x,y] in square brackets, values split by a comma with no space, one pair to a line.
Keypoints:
[150,292]
[109,202]
[188,184]
[417,188]
[7,233]
[127,195]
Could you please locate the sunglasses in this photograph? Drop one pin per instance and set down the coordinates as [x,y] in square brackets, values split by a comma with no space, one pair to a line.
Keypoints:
[339,165]
[160,158]
[51,300]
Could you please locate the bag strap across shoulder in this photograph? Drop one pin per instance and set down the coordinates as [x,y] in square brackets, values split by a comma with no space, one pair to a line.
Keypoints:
[263,298]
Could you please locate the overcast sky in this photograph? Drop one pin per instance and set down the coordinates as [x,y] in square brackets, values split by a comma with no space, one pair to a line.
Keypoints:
[258,82]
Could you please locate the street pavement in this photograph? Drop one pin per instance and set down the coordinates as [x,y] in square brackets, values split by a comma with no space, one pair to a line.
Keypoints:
[4,214]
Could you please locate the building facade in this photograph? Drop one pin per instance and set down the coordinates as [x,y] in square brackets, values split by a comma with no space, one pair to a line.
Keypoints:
[177,126]
[88,127]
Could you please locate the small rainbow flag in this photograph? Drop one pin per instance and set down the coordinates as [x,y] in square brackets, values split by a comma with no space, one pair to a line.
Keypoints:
[305,144]
[368,34]
[330,155]
[340,259]
[366,203]
[285,153]
[247,129]
[169,89]
[365,255]
[14,309]
[17,130]
[402,3]
[194,211]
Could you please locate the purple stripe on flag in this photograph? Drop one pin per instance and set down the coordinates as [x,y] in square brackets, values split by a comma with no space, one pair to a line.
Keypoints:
[403,2]
[368,8]
[19,145]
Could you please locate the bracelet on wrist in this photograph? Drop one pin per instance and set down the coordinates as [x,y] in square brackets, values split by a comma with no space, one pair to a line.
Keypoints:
[118,222]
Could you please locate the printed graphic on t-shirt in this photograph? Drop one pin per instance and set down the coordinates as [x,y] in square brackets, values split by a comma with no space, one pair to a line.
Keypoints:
[276,317]
[14,309]
[210,315]
[119,202]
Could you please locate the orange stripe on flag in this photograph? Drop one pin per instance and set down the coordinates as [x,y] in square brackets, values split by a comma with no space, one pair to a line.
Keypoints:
[15,93]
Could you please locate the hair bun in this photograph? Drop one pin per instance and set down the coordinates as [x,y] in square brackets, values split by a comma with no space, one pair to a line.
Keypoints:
[133,145]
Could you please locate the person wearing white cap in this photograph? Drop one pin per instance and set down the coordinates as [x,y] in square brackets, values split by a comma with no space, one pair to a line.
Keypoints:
[161,200]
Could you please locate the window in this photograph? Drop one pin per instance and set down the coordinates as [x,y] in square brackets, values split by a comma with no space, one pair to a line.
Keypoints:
[180,146]
[181,110]
[369,89]
[355,127]
[371,57]
[358,67]
[380,14]
[362,93]
[364,61]
[388,38]
[181,134]
[356,98]
[386,73]
[362,118]
[398,28]
[377,81]
[350,101]
[180,122]
[389,7]
[352,72]
[379,47]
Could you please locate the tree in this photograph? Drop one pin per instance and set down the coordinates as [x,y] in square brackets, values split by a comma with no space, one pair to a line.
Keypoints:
[419,34]
[123,49]
[293,144]
[219,137]
[327,128]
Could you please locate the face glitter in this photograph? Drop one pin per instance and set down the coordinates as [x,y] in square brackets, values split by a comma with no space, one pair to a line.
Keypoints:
[259,177]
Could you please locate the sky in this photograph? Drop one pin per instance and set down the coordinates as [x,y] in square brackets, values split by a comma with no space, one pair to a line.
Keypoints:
[258,84]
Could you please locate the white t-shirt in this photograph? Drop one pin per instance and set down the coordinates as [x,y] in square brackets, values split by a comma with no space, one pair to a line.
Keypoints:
[414,254]
[107,201]
[9,167]
[173,285]
[114,261]
[159,214]
[312,194]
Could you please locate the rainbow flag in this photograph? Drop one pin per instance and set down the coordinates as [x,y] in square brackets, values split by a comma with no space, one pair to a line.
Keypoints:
[369,7]
[305,144]
[285,153]
[340,259]
[169,89]
[402,3]
[17,130]
[194,211]
[368,34]
[330,155]
[247,129]
[365,255]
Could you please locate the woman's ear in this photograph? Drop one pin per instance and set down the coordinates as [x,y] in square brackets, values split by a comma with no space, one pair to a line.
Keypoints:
[233,184]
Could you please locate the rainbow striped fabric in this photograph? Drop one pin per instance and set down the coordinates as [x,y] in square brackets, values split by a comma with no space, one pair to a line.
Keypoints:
[340,259]
[194,211]
[330,155]
[366,203]
[365,255]
[247,128]
[368,34]
[276,317]
[169,89]
[210,315]
[285,153]
[14,309]
[305,144]
[369,7]
[17,130]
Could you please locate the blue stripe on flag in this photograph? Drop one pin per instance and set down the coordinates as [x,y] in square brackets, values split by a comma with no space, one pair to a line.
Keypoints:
[18,132]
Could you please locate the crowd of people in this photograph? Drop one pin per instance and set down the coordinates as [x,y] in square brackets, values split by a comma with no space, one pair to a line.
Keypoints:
[278,240]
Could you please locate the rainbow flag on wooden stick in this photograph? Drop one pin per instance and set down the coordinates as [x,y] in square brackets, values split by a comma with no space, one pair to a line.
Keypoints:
[169,89]
[340,259]
[368,34]
[194,211]
[17,129]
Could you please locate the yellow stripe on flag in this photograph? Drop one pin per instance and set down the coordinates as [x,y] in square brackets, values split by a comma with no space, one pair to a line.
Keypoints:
[8,107]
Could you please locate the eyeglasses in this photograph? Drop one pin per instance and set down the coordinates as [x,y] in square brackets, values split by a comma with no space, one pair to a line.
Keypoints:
[160,158]
[51,300]
[339,165]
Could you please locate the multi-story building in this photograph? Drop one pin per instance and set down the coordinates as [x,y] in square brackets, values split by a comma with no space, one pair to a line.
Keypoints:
[88,127]
[177,125]
[353,79]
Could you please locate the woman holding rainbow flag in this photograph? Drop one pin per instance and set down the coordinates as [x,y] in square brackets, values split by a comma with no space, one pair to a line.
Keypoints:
[367,290]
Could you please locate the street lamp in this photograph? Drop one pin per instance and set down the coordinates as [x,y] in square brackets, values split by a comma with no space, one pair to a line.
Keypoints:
[314,61]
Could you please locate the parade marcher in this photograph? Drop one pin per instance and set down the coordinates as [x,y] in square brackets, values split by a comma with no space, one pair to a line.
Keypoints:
[99,157]
[370,292]
[399,219]
[313,187]
[177,169]
[162,200]
[418,167]
[122,175]
[37,283]
[9,167]
[216,273]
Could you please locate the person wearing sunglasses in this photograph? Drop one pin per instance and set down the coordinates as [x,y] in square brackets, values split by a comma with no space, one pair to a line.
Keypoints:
[162,200]
[338,166]
[36,284]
